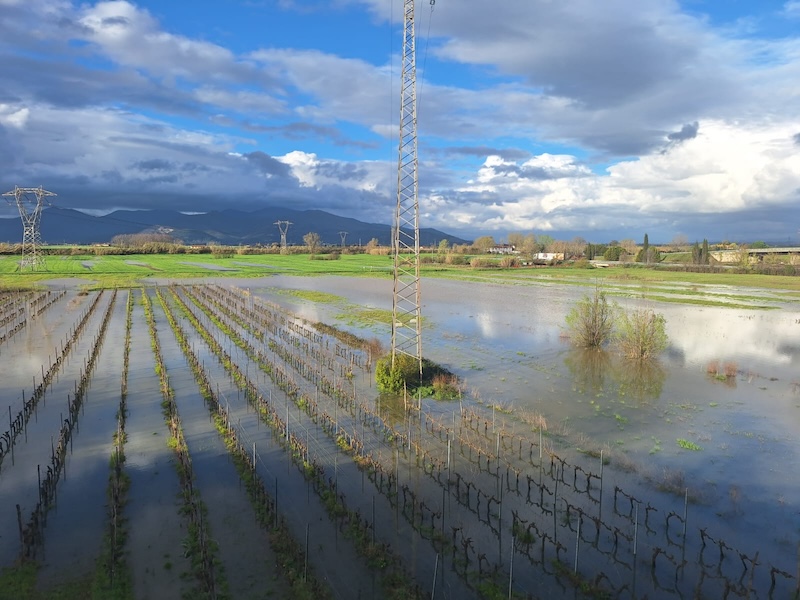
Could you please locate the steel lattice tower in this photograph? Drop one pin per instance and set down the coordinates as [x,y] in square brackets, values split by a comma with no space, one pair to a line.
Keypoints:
[283,227]
[30,202]
[406,315]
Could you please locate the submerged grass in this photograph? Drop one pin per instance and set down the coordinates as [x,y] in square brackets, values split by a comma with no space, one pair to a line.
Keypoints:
[688,445]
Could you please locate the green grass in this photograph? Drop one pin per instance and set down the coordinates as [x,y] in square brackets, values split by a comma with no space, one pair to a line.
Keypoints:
[687,445]
[125,271]
[312,295]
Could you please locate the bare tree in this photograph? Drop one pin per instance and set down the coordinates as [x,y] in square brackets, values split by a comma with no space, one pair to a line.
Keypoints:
[483,243]
[631,247]
[679,242]
[516,239]
[312,241]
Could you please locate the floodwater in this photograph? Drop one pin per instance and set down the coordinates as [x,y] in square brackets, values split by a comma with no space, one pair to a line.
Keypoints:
[668,519]
[507,344]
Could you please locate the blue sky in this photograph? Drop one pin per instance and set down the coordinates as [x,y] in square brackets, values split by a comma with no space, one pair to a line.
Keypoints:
[600,119]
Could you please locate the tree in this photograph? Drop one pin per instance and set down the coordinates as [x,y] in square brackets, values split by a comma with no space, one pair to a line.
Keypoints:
[591,321]
[529,245]
[679,241]
[483,243]
[311,240]
[371,245]
[444,246]
[705,257]
[559,247]
[576,246]
[645,257]
[630,246]
[743,256]
[545,243]
[516,239]
[614,253]
[697,254]
[641,334]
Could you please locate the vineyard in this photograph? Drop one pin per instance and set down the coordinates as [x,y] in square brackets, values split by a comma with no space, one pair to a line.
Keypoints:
[200,441]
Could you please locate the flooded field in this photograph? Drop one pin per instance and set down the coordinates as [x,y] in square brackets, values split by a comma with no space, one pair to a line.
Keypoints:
[210,441]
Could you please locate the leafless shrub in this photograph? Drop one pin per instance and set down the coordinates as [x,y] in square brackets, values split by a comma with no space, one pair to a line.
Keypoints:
[731,368]
[534,419]
[672,481]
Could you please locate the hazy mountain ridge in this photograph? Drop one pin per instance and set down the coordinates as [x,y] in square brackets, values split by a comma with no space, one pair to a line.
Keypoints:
[228,227]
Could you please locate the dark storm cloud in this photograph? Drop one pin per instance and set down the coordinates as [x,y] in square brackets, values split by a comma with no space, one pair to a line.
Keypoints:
[622,143]
[194,167]
[342,171]
[161,179]
[10,149]
[268,165]
[484,151]
[687,132]
[154,164]
[599,56]
[116,21]
[539,173]
[298,131]
[73,85]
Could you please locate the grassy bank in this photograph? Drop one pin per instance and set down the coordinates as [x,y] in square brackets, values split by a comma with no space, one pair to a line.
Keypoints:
[669,286]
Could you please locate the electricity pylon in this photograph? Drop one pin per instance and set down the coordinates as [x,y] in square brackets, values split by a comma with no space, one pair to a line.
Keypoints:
[283,227]
[343,235]
[29,202]
[406,314]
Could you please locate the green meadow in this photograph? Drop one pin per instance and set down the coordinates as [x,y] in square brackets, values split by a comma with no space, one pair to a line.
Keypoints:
[739,290]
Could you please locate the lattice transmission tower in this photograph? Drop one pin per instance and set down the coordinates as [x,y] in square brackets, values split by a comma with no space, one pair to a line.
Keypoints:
[30,202]
[343,235]
[283,227]
[406,313]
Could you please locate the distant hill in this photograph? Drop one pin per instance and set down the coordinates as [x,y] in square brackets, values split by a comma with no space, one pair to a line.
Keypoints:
[227,227]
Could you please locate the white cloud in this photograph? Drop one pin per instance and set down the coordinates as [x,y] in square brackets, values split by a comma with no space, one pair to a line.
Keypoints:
[792,9]
[560,112]
[132,37]
[15,117]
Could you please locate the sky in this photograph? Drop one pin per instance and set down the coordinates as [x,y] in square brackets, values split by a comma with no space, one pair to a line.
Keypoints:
[601,119]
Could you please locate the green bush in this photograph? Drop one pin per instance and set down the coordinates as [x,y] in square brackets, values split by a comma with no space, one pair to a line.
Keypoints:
[482,263]
[591,321]
[582,263]
[641,334]
[614,253]
[393,379]
[653,255]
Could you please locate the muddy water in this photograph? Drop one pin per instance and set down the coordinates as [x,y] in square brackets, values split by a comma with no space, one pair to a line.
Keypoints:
[19,478]
[156,530]
[244,552]
[331,556]
[506,343]
[75,527]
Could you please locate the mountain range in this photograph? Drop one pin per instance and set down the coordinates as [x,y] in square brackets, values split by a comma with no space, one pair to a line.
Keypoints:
[226,227]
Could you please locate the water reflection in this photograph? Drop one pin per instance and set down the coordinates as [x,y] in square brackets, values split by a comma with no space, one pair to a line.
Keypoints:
[599,371]
[642,380]
[392,408]
[590,367]
[766,338]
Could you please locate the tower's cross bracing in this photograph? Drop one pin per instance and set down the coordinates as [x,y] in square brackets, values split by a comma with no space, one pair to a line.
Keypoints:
[283,227]
[406,315]
[29,202]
